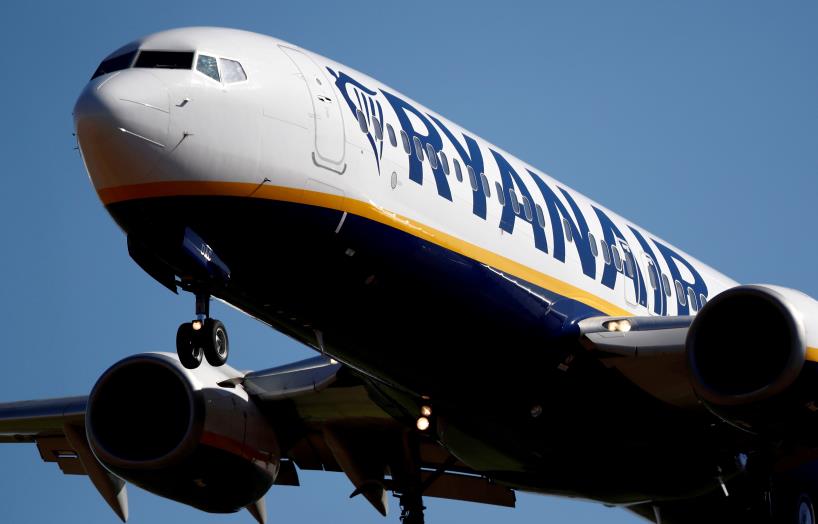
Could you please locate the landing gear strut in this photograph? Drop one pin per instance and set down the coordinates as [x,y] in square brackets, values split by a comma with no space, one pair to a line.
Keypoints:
[204,336]
[411,508]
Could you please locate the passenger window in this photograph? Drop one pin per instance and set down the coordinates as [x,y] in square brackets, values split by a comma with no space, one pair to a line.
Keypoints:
[606,255]
[165,60]
[472,178]
[444,161]
[362,121]
[377,128]
[691,299]
[540,217]
[392,138]
[407,148]
[680,293]
[431,155]
[527,209]
[418,149]
[457,172]
[232,71]
[567,227]
[628,262]
[500,195]
[592,242]
[486,186]
[617,258]
[115,63]
[515,204]
[654,282]
[666,284]
[207,66]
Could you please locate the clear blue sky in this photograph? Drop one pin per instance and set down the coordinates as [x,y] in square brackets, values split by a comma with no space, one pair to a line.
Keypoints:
[696,119]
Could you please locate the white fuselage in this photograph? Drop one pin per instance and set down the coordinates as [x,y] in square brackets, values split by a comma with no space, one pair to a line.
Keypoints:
[291,131]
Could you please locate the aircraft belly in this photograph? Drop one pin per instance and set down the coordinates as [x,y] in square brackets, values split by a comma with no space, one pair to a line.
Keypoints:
[499,349]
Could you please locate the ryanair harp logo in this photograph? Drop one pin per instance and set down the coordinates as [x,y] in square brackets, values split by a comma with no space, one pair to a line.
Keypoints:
[361,99]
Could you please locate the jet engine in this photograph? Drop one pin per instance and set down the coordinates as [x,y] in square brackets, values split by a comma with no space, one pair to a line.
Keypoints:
[752,359]
[177,433]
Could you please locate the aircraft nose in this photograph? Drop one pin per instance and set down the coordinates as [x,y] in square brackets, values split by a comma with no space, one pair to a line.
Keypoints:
[122,123]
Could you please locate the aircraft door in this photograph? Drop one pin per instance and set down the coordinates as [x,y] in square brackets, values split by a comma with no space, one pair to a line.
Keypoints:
[329,126]
[631,273]
[653,286]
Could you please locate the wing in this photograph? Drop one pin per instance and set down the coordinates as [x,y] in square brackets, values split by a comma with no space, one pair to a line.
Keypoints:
[325,419]
[336,426]
[57,426]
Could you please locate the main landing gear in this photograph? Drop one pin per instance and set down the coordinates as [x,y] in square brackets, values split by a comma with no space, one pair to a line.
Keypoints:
[204,336]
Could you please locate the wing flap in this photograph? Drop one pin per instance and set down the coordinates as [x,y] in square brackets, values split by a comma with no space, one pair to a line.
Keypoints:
[57,426]
[469,488]
[57,449]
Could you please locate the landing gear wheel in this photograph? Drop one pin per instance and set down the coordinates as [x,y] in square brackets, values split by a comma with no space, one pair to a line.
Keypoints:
[187,347]
[214,341]
[805,509]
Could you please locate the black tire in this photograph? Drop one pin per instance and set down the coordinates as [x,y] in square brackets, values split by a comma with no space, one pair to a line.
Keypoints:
[187,348]
[793,504]
[804,510]
[215,342]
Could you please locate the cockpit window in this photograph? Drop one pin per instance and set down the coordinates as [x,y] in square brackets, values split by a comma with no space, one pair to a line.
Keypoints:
[232,71]
[207,65]
[114,63]
[165,60]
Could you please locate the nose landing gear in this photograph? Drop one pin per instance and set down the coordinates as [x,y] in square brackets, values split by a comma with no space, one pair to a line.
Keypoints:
[204,337]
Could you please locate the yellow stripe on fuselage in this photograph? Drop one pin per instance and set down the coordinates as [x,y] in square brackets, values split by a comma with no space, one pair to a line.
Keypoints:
[812,354]
[366,210]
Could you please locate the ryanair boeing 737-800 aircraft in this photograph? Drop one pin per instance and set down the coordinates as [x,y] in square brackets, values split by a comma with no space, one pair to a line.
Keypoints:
[480,327]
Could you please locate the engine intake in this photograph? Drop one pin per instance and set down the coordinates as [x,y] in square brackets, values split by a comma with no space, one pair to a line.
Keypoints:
[176,433]
[135,425]
[745,345]
[747,354]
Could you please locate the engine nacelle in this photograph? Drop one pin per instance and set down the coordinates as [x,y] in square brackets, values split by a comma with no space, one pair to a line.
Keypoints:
[176,433]
[749,352]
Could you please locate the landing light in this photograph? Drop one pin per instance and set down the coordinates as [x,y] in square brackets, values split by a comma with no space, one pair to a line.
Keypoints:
[422,423]
[426,411]
[197,325]
[623,326]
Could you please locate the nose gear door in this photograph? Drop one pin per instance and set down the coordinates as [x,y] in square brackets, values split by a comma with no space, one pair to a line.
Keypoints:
[326,112]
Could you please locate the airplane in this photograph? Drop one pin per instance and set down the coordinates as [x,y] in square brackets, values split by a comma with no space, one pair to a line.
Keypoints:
[480,328]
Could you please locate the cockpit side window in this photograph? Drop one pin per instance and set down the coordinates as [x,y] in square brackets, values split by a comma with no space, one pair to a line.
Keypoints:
[231,71]
[207,65]
[115,63]
[165,60]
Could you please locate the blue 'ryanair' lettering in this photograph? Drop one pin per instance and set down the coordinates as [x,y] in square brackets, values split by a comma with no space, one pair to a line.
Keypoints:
[698,285]
[509,179]
[579,229]
[361,98]
[614,237]
[659,298]
[403,109]
[473,158]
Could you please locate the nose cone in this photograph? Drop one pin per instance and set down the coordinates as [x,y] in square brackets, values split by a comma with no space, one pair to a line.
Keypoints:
[122,122]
